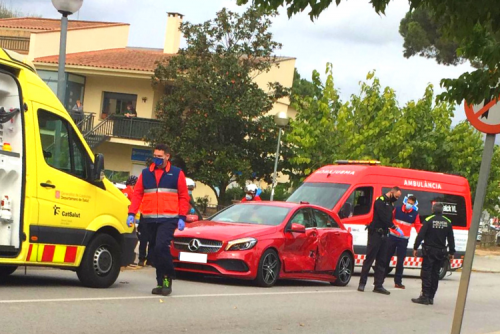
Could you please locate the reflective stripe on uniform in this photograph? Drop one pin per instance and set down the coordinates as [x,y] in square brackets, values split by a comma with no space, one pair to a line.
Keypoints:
[152,215]
[403,222]
[160,190]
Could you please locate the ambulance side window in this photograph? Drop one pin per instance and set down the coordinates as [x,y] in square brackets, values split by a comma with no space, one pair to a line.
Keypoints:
[62,150]
[358,203]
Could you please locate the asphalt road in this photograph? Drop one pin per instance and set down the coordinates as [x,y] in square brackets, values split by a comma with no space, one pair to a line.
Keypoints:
[52,301]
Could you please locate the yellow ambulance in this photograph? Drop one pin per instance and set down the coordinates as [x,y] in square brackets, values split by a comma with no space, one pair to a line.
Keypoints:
[57,209]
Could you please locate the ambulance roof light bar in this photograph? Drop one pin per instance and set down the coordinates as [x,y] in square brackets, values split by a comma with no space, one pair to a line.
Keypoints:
[358,162]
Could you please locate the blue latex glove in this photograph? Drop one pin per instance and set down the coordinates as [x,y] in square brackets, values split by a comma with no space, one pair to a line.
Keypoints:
[400,231]
[181,224]
[130,220]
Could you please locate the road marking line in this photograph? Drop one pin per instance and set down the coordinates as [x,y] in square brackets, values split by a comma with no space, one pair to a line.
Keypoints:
[249,294]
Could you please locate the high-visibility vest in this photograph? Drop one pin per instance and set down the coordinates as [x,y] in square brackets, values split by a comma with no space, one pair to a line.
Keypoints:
[161,201]
[404,220]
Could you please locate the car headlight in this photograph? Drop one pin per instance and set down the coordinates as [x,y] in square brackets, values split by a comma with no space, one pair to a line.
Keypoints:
[241,244]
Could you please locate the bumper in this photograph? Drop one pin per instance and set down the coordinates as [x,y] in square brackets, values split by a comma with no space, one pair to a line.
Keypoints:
[237,264]
[128,244]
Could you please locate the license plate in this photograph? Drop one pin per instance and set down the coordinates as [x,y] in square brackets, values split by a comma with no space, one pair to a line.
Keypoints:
[193,257]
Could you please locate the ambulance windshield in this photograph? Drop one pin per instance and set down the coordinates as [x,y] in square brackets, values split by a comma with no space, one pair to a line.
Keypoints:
[323,194]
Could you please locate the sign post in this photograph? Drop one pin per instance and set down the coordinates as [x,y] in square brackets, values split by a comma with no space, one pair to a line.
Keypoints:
[489,124]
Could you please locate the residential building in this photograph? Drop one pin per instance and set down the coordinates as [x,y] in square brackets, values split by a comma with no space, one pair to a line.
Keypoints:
[107,75]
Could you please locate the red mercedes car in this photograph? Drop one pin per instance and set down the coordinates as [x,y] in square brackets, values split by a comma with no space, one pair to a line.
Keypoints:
[266,241]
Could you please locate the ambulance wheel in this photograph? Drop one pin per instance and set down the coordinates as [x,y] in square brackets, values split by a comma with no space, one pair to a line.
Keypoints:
[7,270]
[269,269]
[444,270]
[343,270]
[100,265]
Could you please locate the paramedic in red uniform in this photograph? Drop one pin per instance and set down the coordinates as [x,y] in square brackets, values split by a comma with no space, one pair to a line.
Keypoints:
[404,217]
[164,195]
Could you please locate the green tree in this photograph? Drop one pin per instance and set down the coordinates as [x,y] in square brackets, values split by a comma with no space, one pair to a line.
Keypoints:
[215,116]
[6,12]
[473,25]
[302,87]
[371,125]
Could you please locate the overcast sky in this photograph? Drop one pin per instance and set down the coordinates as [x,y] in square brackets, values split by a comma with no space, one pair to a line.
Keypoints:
[351,36]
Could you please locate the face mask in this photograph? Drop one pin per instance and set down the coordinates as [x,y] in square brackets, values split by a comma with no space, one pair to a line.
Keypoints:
[393,199]
[248,197]
[158,162]
[409,206]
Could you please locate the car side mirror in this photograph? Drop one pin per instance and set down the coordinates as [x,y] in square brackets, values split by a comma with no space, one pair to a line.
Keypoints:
[297,228]
[97,173]
[192,218]
[345,211]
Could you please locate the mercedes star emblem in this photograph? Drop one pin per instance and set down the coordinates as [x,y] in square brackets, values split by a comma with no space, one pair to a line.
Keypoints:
[194,245]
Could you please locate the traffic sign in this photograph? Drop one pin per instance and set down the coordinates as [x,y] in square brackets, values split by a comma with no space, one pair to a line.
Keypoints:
[485,118]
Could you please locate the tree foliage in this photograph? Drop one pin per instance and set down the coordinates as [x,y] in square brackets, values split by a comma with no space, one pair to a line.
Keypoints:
[472,25]
[6,12]
[371,125]
[301,87]
[213,114]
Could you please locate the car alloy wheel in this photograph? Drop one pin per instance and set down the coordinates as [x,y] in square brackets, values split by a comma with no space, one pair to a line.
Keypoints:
[269,269]
[344,269]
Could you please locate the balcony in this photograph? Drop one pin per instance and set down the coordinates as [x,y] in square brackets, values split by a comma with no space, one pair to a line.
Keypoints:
[18,44]
[133,127]
[116,126]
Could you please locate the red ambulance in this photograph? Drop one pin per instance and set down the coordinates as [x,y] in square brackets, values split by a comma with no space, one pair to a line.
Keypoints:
[350,188]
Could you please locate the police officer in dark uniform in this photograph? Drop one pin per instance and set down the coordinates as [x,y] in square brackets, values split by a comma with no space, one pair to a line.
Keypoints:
[378,231]
[435,231]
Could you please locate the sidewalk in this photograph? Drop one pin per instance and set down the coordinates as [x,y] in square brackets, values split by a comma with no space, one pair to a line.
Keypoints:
[486,263]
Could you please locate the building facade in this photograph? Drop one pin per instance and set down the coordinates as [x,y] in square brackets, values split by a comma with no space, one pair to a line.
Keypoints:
[107,75]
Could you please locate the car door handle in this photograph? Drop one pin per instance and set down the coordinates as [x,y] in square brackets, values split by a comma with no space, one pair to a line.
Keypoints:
[47,185]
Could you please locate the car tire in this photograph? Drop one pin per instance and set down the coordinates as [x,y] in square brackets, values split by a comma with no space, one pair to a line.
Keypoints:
[100,265]
[7,271]
[444,270]
[269,269]
[343,270]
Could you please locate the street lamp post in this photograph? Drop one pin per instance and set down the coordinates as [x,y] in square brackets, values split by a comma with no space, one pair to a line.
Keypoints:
[66,8]
[281,119]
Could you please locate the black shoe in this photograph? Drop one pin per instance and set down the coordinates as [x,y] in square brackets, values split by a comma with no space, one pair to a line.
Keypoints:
[141,263]
[421,300]
[165,289]
[399,286]
[361,288]
[381,290]
[431,301]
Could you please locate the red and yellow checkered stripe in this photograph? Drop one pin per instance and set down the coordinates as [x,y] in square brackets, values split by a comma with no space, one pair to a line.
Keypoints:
[52,253]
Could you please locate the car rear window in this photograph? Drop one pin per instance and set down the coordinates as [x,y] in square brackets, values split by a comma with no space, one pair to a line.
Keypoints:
[318,193]
[453,205]
[252,214]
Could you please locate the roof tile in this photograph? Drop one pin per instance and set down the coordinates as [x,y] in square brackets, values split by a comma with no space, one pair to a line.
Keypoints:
[122,59]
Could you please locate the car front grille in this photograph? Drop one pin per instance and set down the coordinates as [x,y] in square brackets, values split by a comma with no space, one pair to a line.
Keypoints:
[205,245]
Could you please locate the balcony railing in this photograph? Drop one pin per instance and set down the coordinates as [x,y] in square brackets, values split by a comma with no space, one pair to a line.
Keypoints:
[132,127]
[120,127]
[15,43]
[84,121]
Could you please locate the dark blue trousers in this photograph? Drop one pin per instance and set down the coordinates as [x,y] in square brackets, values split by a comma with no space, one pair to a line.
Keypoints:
[160,235]
[397,246]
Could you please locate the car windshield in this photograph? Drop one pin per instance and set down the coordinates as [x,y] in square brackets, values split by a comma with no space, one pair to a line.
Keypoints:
[323,194]
[252,214]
